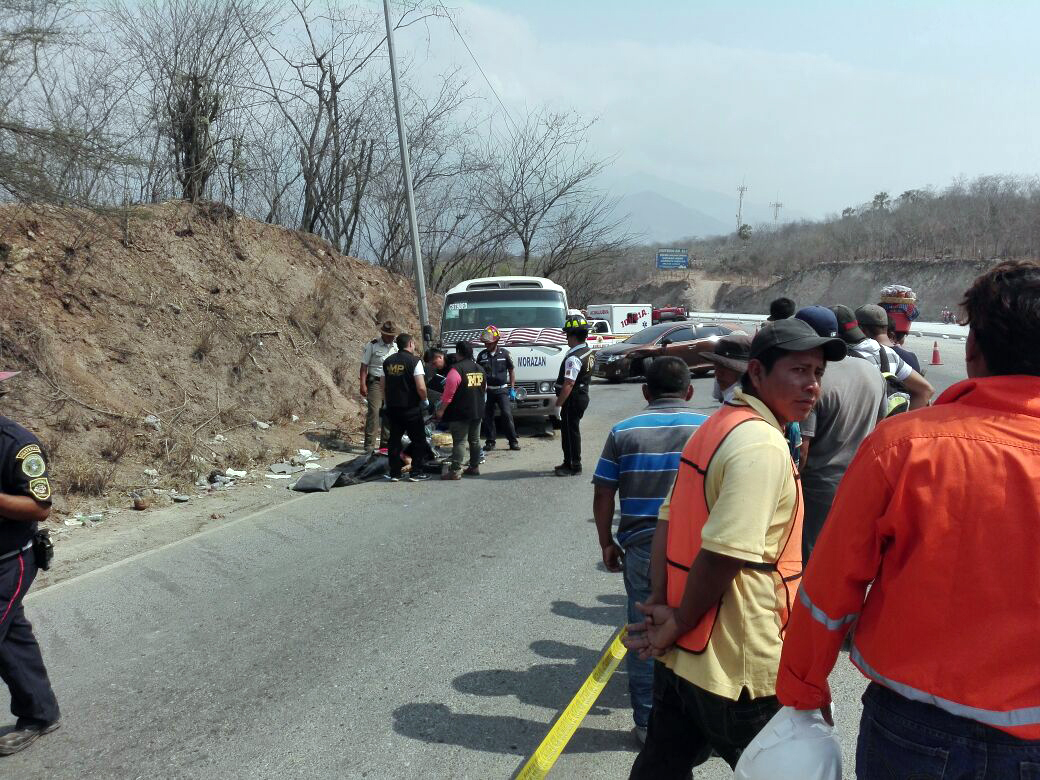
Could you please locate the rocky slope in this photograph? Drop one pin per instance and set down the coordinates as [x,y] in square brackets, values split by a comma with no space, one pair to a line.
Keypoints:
[169,337]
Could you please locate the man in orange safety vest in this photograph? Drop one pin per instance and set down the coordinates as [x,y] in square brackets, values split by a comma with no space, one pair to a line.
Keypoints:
[725,561]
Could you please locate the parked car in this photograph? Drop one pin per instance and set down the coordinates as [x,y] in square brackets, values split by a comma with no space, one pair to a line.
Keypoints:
[686,340]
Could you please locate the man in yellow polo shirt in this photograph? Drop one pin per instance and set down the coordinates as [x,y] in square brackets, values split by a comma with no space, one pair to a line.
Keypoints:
[725,562]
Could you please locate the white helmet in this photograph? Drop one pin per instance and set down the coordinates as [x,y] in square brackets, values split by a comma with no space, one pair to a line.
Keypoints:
[794,745]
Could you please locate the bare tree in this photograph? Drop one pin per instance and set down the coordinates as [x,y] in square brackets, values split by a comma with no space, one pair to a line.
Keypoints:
[55,104]
[193,55]
[321,89]
[445,173]
[542,187]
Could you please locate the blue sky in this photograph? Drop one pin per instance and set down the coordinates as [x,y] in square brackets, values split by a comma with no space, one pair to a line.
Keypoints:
[823,103]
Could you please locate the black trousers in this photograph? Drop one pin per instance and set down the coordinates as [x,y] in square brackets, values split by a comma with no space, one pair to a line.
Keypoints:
[402,421]
[570,428]
[498,400]
[687,723]
[21,663]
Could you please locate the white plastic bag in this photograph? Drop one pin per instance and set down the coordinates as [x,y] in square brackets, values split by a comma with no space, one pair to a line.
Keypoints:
[794,745]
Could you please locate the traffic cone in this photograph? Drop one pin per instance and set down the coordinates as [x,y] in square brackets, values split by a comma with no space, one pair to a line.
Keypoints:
[936,360]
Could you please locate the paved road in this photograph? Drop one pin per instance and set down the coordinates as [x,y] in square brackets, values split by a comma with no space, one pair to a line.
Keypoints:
[407,630]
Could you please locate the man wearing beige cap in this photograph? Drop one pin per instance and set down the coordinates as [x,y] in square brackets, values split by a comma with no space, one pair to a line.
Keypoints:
[371,383]
[730,357]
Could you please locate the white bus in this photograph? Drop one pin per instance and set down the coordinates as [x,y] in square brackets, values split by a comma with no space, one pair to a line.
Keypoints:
[529,312]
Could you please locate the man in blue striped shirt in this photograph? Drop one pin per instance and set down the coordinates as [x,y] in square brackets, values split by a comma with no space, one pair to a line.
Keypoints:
[638,463]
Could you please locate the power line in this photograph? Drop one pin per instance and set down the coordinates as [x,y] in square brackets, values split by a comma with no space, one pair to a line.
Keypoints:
[474,58]
[776,206]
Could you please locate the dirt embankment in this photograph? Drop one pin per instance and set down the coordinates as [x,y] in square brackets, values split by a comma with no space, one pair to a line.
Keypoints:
[170,337]
[938,283]
[695,292]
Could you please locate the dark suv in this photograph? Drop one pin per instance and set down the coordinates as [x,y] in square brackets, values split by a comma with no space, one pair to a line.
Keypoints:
[686,340]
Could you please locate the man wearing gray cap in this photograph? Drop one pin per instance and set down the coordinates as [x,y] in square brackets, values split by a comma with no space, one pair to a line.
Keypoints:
[726,559]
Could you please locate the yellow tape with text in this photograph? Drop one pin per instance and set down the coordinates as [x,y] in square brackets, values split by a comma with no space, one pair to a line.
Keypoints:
[545,756]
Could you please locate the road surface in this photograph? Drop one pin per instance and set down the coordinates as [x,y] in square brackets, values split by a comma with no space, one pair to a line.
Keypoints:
[384,630]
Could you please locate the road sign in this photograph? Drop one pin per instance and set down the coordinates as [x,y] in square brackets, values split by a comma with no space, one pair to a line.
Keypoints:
[673,259]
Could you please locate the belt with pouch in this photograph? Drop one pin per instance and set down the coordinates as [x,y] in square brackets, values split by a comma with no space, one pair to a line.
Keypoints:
[19,551]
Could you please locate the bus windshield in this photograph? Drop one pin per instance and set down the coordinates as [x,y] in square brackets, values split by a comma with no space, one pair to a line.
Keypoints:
[476,309]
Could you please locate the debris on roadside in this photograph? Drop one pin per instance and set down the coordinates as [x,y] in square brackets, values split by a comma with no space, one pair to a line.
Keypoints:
[89,520]
[284,468]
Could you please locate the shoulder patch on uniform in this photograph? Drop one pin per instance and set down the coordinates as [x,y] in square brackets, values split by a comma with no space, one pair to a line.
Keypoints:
[40,488]
[25,452]
[34,466]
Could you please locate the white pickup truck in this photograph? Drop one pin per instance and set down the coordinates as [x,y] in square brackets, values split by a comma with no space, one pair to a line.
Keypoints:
[601,336]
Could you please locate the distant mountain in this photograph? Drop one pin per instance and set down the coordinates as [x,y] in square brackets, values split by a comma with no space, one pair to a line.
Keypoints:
[656,218]
[720,207]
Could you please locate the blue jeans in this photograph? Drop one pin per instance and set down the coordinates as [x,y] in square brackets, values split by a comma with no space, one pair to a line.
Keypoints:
[640,673]
[900,739]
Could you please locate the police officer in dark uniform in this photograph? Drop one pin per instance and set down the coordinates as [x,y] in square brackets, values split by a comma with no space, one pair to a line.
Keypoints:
[501,380]
[572,393]
[404,387]
[25,500]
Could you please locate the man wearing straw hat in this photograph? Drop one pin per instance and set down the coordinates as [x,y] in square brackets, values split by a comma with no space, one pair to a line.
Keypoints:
[371,383]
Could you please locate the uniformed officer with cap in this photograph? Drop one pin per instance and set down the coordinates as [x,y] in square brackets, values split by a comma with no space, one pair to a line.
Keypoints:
[371,383]
[501,383]
[572,393]
[25,500]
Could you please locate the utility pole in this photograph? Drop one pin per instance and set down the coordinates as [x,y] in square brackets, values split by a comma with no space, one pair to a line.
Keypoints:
[740,204]
[777,205]
[402,137]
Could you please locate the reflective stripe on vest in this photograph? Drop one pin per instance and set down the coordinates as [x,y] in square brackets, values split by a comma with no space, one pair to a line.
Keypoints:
[689,513]
[1001,719]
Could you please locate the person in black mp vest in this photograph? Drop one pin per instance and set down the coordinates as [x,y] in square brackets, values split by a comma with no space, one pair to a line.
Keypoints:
[462,407]
[404,386]
[572,393]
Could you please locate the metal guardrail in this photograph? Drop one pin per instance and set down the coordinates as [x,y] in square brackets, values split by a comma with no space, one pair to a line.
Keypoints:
[931,330]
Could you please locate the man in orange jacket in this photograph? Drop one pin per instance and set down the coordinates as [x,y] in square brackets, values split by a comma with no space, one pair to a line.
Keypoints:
[726,558]
[939,514]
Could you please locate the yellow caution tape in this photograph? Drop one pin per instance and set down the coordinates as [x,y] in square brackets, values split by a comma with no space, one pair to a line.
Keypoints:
[545,756]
